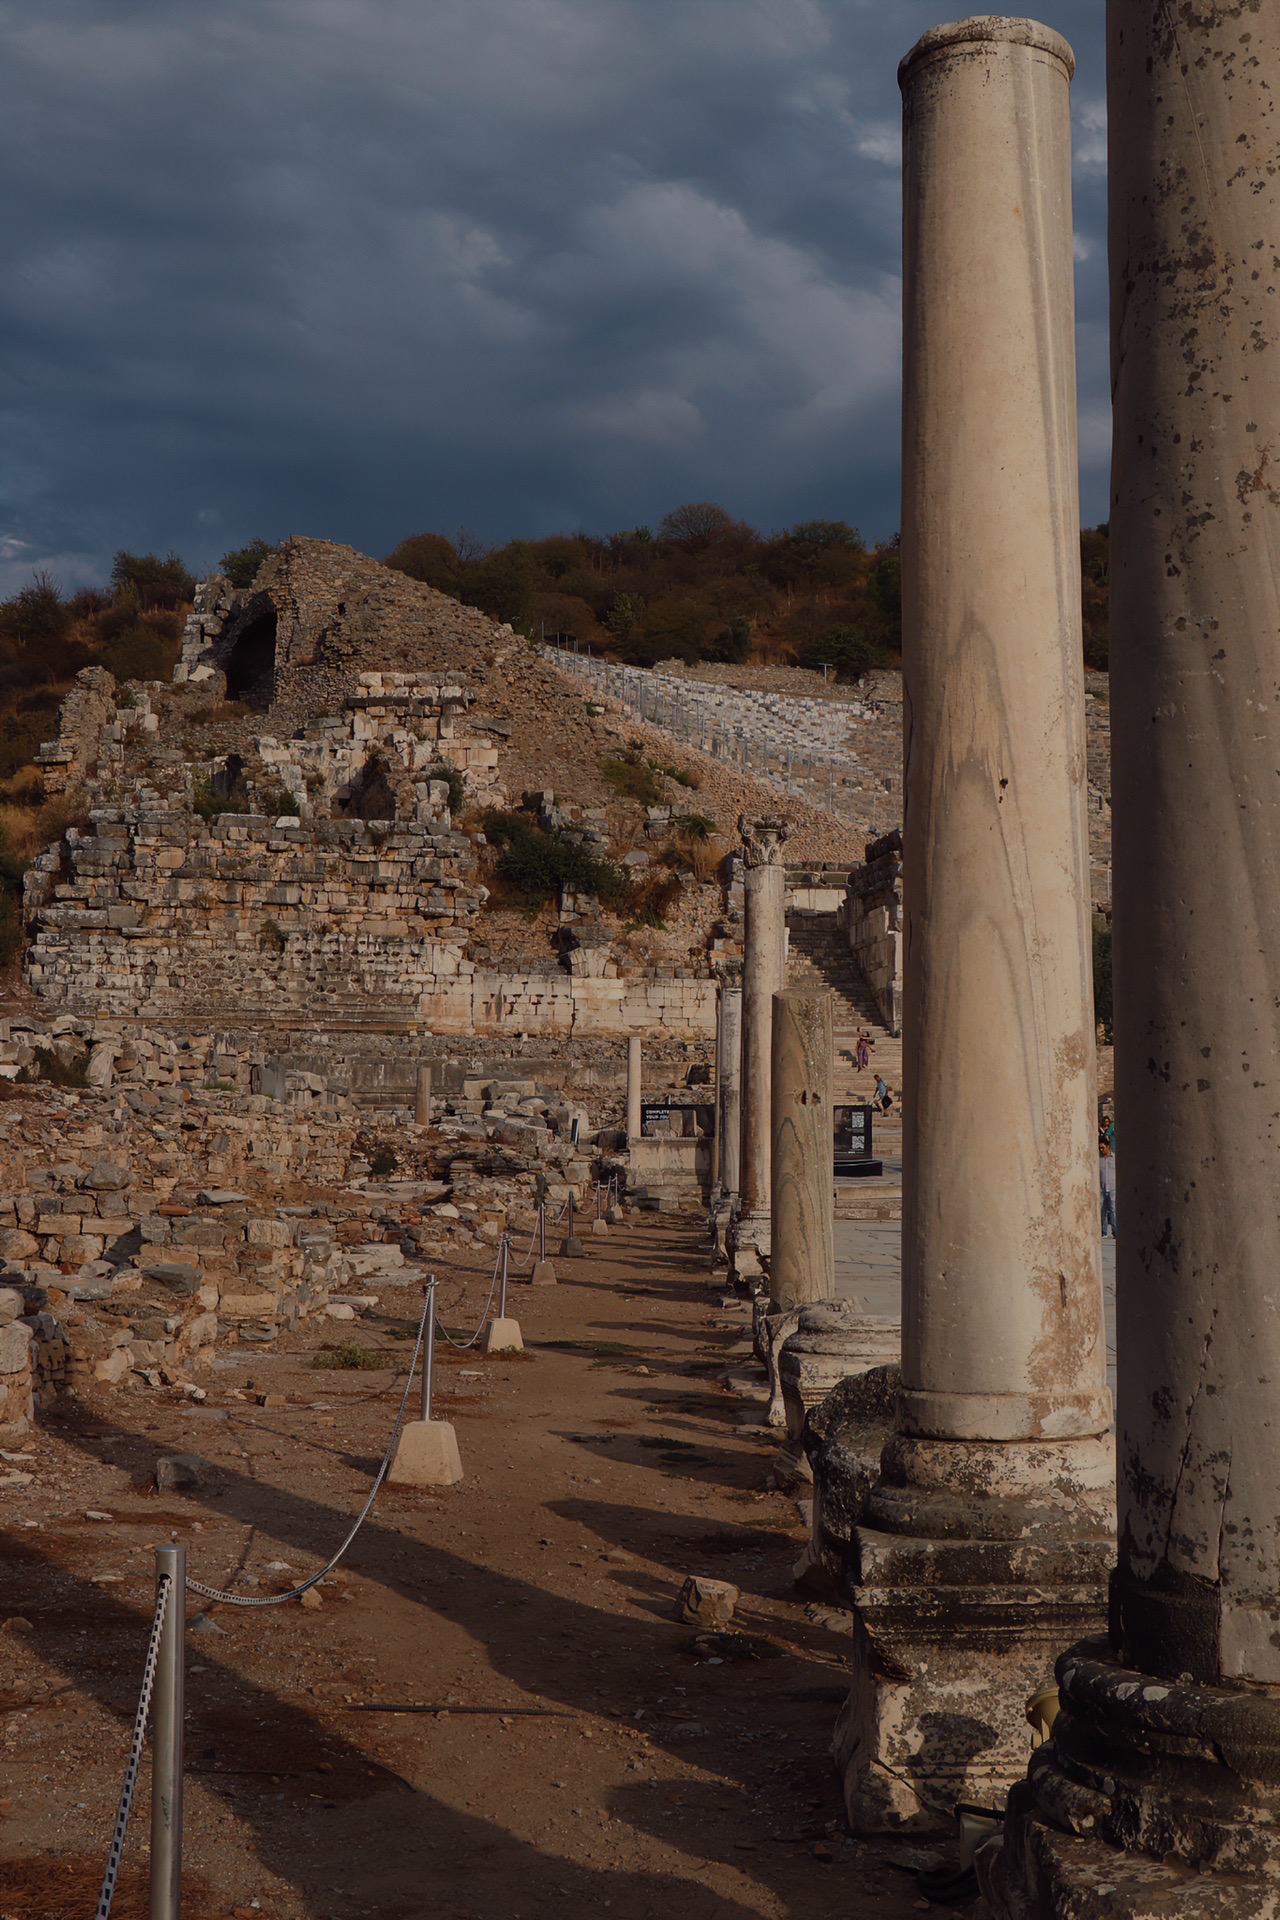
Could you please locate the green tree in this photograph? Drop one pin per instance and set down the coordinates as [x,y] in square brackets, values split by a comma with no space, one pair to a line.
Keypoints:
[241,565]
[157,583]
[1095,581]
[699,523]
[623,614]
[37,614]
[431,558]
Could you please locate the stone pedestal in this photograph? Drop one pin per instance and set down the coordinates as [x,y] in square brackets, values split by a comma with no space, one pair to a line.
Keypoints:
[1159,1793]
[831,1343]
[503,1336]
[802,1261]
[633,1087]
[990,1529]
[843,1438]
[764,943]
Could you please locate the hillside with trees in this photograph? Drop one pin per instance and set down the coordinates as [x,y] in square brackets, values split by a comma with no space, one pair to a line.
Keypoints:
[706,587]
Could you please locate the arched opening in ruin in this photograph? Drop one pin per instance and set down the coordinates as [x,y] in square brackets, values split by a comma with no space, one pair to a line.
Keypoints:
[371,795]
[250,666]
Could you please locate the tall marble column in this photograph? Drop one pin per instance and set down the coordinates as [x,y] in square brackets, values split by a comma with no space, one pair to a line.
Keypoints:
[764,947]
[633,1087]
[990,1527]
[1160,1791]
[728,1084]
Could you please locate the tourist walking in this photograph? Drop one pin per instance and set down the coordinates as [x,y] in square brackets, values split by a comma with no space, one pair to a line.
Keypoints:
[1107,1182]
[862,1053]
[882,1098]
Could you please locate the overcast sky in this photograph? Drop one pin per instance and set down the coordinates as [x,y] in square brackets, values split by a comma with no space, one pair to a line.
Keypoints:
[363,268]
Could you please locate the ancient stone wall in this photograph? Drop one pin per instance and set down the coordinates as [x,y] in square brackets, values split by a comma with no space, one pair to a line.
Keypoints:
[329,925]
[872,921]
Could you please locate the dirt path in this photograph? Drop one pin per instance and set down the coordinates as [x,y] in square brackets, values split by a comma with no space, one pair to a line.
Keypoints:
[579,1752]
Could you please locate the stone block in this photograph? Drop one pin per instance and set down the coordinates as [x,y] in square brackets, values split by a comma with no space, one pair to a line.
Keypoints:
[704,1602]
[248,1306]
[15,1347]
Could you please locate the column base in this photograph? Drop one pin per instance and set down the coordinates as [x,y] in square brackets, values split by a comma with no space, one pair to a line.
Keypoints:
[1154,1798]
[832,1340]
[843,1439]
[754,1231]
[940,1678]
[973,1565]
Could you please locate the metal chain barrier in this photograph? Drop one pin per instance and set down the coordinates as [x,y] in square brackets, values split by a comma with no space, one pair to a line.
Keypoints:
[535,1237]
[461,1346]
[279,1599]
[140,1719]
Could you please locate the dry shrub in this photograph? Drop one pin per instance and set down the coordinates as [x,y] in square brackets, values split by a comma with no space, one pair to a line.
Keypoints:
[26,831]
[706,857]
[25,789]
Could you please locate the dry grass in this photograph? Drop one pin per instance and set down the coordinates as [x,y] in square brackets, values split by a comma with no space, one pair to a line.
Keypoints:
[26,831]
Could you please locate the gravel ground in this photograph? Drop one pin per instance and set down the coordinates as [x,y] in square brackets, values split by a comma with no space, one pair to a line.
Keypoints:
[571,1748]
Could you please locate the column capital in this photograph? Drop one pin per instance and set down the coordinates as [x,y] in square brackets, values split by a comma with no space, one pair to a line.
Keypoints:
[762,841]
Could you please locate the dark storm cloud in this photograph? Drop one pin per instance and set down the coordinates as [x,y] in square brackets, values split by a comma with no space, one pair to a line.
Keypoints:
[364,267]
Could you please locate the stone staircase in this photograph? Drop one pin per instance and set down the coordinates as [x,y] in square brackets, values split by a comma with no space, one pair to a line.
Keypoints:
[819,956]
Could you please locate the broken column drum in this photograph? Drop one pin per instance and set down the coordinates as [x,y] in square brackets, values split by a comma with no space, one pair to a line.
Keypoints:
[989,1531]
[764,947]
[803,1262]
[1160,1791]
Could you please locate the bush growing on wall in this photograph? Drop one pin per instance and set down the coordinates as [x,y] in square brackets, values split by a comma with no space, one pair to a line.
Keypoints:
[537,863]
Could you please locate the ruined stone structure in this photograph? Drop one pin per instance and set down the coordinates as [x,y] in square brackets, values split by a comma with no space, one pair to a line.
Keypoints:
[1159,1792]
[309,871]
[871,918]
[988,1531]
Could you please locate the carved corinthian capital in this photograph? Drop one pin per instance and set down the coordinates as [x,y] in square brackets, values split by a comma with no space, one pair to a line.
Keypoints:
[763,841]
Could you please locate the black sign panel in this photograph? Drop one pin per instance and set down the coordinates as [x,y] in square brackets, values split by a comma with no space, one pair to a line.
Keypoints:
[662,1118]
[852,1133]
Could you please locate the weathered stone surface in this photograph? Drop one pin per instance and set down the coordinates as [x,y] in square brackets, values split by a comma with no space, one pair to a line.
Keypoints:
[176,1471]
[703,1602]
[1159,1792]
[988,1533]
[802,1234]
[15,1347]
